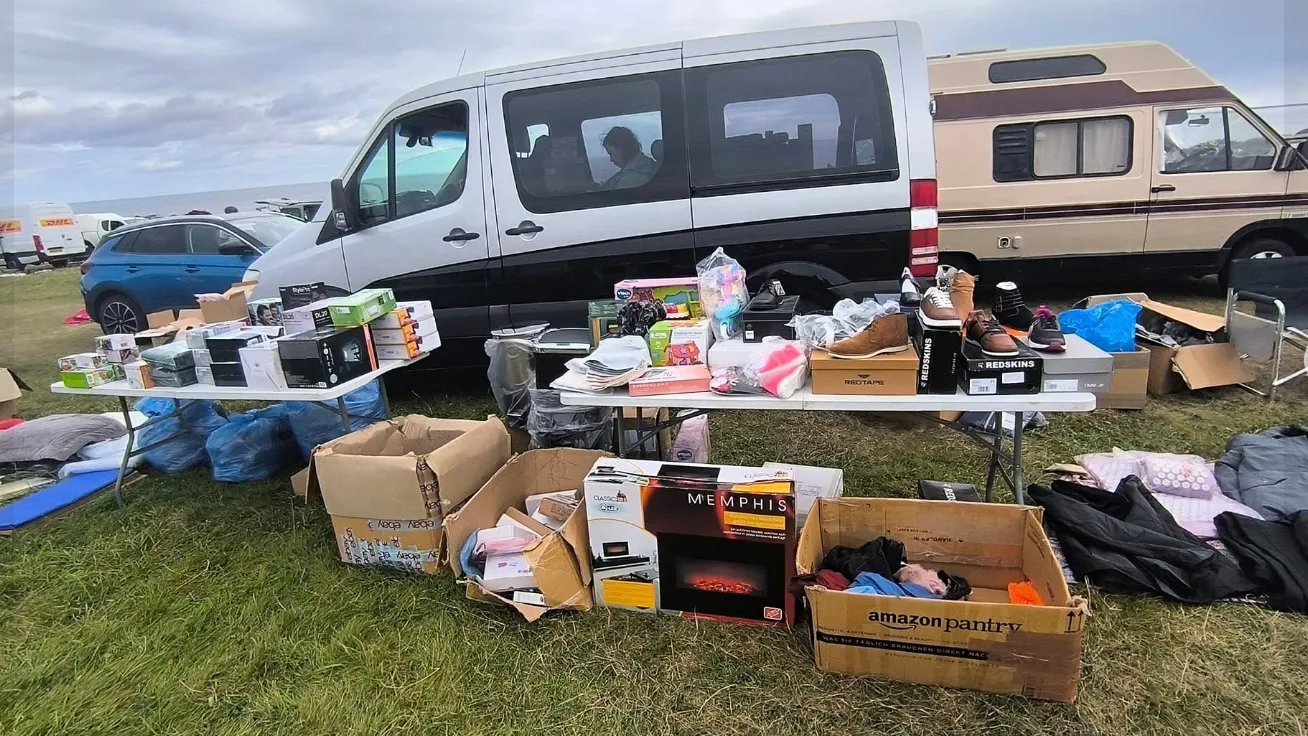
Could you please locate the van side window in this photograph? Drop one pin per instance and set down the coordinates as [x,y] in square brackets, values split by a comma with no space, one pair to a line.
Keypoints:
[598,143]
[1060,149]
[792,119]
[1212,139]
[420,164]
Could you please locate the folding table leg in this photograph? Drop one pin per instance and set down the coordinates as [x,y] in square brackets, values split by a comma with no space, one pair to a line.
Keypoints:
[617,423]
[996,452]
[344,412]
[1019,489]
[127,451]
[385,398]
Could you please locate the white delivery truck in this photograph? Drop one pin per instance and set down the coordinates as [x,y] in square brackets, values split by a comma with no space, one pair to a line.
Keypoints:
[41,230]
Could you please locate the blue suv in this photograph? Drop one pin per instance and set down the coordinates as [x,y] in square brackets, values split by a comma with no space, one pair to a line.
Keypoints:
[162,264]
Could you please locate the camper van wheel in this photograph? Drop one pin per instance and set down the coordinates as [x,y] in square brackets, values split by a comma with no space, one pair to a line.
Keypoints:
[1263,248]
[118,314]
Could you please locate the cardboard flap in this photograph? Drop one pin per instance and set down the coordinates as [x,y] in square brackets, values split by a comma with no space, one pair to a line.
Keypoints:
[576,531]
[554,565]
[1198,320]
[465,463]
[11,386]
[529,612]
[1206,366]
[160,319]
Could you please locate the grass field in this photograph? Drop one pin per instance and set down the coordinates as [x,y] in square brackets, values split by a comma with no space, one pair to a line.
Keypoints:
[210,608]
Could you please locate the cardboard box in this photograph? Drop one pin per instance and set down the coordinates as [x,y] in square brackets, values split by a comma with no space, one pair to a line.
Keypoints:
[91,377]
[11,390]
[401,335]
[197,337]
[1129,387]
[677,379]
[202,358]
[307,318]
[226,348]
[262,366]
[558,558]
[203,376]
[326,357]
[173,356]
[1080,368]
[707,541]
[603,320]
[679,297]
[940,358]
[983,644]
[417,346]
[891,374]
[138,375]
[760,323]
[117,348]
[82,361]
[679,342]
[227,306]
[177,377]
[296,296]
[265,312]
[403,314]
[390,484]
[984,375]
[361,308]
[228,374]
[811,484]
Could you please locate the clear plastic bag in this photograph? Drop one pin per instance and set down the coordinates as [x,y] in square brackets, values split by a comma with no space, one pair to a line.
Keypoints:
[199,420]
[722,292]
[512,375]
[1109,326]
[314,424]
[847,318]
[780,369]
[254,445]
[551,424]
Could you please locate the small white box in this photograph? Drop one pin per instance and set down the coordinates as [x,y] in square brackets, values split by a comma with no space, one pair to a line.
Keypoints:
[811,484]
[403,314]
[306,319]
[195,338]
[401,335]
[204,375]
[117,348]
[507,572]
[202,358]
[137,374]
[263,367]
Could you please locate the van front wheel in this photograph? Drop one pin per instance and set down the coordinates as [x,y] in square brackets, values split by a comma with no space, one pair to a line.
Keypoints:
[1256,248]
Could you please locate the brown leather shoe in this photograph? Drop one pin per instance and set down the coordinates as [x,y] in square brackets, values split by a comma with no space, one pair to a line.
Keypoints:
[985,332]
[960,292]
[887,334]
[937,311]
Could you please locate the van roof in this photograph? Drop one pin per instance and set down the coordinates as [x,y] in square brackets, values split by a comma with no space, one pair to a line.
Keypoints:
[1147,66]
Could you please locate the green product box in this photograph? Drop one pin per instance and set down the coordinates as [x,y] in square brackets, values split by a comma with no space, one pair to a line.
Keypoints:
[91,377]
[361,308]
[603,315]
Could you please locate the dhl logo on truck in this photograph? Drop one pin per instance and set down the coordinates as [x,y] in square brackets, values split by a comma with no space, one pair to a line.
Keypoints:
[11,226]
[58,222]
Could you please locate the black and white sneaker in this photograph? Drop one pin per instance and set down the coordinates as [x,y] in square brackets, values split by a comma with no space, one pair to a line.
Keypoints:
[1046,334]
[909,296]
[1011,310]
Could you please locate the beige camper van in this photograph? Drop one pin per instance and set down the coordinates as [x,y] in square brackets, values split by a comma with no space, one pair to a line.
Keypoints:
[1124,157]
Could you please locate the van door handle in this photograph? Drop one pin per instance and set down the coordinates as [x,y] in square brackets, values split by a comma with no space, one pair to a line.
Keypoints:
[526,227]
[458,235]
[1163,188]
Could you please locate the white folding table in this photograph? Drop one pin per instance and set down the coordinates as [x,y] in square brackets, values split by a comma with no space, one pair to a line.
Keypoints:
[805,400]
[123,392]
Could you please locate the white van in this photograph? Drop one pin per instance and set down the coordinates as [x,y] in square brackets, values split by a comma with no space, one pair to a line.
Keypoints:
[517,195]
[41,230]
[96,225]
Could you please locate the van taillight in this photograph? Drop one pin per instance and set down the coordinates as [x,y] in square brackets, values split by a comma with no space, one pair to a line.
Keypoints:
[924,238]
[36,241]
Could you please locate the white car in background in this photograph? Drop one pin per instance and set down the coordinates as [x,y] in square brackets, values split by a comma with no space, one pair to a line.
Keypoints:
[40,230]
[96,225]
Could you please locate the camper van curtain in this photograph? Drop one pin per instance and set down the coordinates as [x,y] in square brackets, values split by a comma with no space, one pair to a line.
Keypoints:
[1055,149]
[1105,146]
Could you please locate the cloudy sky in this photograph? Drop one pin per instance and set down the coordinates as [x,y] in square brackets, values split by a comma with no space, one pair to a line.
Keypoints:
[146,97]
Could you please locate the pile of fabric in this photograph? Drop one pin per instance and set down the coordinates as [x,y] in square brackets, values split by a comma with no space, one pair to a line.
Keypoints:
[880,567]
[616,362]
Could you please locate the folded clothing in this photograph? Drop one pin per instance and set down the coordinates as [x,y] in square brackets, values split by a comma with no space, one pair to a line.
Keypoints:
[1274,554]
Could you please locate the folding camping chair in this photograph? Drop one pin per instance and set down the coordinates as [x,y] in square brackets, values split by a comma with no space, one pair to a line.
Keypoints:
[1278,289]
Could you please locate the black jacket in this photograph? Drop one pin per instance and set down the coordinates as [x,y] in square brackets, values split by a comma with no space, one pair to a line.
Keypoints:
[1126,542]
[1273,553]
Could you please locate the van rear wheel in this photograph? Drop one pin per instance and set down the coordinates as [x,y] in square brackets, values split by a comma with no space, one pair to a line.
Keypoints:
[120,314]
[1256,248]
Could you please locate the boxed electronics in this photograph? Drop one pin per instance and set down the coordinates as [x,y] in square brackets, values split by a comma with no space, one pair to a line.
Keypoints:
[761,319]
[91,377]
[174,377]
[174,356]
[225,348]
[405,313]
[388,486]
[204,375]
[1204,360]
[1081,367]
[556,559]
[267,312]
[117,348]
[985,643]
[263,367]
[603,317]
[985,375]
[889,374]
[811,484]
[82,361]
[412,349]
[939,358]
[679,342]
[1129,386]
[676,379]
[196,338]
[679,297]
[692,540]
[409,332]
[227,306]
[361,307]
[228,374]
[326,357]
[307,318]
[11,390]
[202,358]
[296,296]
[138,375]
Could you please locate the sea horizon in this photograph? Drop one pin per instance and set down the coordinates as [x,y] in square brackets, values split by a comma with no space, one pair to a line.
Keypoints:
[212,201]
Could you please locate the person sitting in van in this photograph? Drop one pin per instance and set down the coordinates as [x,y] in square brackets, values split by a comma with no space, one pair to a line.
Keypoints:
[634,167]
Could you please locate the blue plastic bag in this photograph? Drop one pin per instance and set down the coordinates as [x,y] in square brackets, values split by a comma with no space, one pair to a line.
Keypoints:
[200,419]
[1109,326]
[252,446]
[314,423]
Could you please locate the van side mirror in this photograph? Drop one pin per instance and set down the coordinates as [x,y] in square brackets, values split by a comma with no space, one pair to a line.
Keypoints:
[1293,157]
[342,213]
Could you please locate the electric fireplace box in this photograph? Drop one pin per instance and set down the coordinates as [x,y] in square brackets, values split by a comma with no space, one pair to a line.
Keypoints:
[556,558]
[707,541]
[985,643]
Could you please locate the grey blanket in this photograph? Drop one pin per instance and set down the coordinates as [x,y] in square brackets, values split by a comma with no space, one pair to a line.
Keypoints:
[1267,472]
[57,437]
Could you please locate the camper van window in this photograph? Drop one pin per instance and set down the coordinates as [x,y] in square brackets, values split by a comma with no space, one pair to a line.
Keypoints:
[792,118]
[598,143]
[1056,67]
[1212,139]
[1063,149]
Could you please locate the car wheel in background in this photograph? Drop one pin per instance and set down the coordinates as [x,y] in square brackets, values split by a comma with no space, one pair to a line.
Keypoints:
[119,314]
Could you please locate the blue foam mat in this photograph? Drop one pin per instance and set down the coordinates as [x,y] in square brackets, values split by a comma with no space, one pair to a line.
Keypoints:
[50,499]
